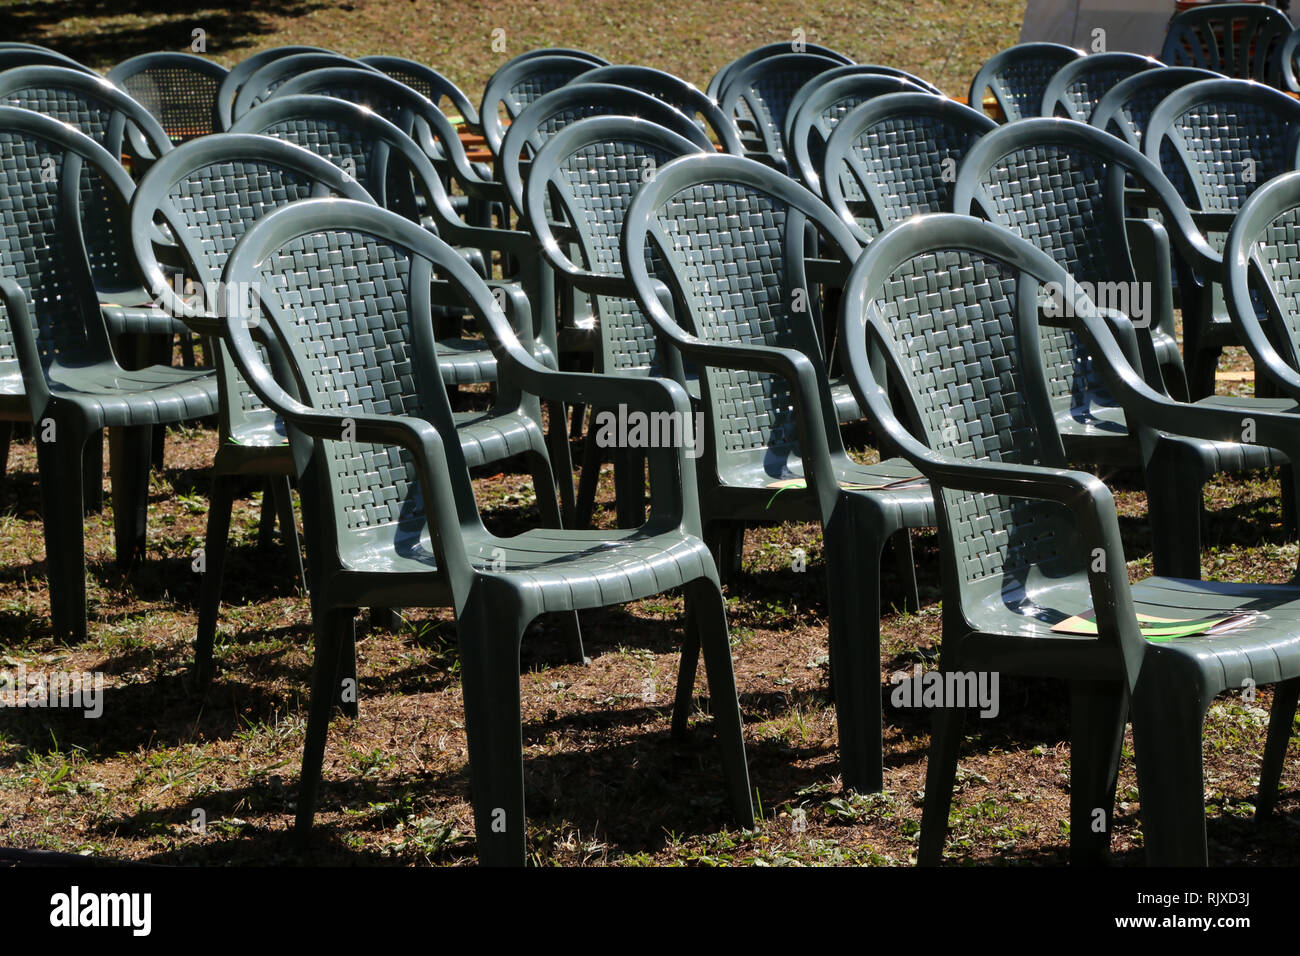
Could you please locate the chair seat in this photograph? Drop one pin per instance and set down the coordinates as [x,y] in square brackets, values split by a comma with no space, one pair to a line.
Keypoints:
[564,569]
[1265,650]
[110,396]
[466,361]
[754,492]
[487,437]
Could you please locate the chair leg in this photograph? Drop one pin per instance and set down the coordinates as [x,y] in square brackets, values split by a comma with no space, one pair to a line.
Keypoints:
[1286,474]
[384,619]
[266,518]
[1168,726]
[1285,697]
[129,457]
[328,626]
[6,433]
[708,620]
[347,687]
[220,499]
[557,442]
[92,465]
[684,701]
[1175,493]
[854,639]
[905,566]
[585,504]
[490,632]
[62,488]
[940,773]
[283,502]
[1097,716]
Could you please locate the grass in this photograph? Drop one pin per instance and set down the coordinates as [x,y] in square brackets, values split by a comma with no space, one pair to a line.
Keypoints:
[171,776]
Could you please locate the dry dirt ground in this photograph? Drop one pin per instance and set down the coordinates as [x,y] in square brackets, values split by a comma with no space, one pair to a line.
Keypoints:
[605,784]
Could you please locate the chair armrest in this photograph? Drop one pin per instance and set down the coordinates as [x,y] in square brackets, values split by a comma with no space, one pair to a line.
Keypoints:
[29,356]
[129,320]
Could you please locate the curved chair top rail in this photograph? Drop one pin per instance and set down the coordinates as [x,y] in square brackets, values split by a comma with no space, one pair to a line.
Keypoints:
[723,76]
[593,58]
[88,102]
[179,89]
[428,82]
[11,57]
[1126,108]
[1240,40]
[761,93]
[674,91]
[516,85]
[1076,88]
[902,152]
[266,79]
[554,111]
[814,123]
[1019,75]
[241,71]
[853,69]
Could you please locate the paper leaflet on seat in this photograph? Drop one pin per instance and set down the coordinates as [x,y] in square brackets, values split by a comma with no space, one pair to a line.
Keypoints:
[1164,628]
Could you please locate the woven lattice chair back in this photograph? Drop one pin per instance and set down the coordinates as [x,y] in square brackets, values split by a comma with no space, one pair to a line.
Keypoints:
[728,236]
[676,92]
[516,86]
[1077,88]
[104,113]
[1125,110]
[178,89]
[896,157]
[384,160]
[427,82]
[1262,257]
[259,87]
[1241,40]
[242,70]
[208,193]
[721,78]
[1017,77]
[1226,138]
[13,57]
[590,171]
[758,97]
[952,304]
[1061,185]
[811,126]
[41,247]
[406,108]
[553,112]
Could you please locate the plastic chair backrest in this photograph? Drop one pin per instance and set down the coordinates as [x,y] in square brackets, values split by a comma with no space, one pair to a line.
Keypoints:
[515,86]
[723,76]
[264,81]
[179,89]
[1077,88]
[1240,40]
[760,94]
[676,92]
[241,71]
[1126,109]
[897,156]
[1018,77]
[428,82]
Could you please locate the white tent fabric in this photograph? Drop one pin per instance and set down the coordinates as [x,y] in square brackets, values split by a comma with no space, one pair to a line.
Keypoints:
[1094,26]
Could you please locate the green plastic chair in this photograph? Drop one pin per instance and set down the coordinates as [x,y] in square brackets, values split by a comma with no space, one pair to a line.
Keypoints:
[1061,185]
[240,73]
[809,125]
[267,78]
[1227,137]
[896,156]
[396,173]
[766,52]
[715,247]
[209,196]
[676,92]
[584,177]
[178,89]
[428,82]
[1241,40]
[517,84]
[1076,88]
[390,509]
[757,98]
[1018,77]
[70,381]
[416,116]
[952,305]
